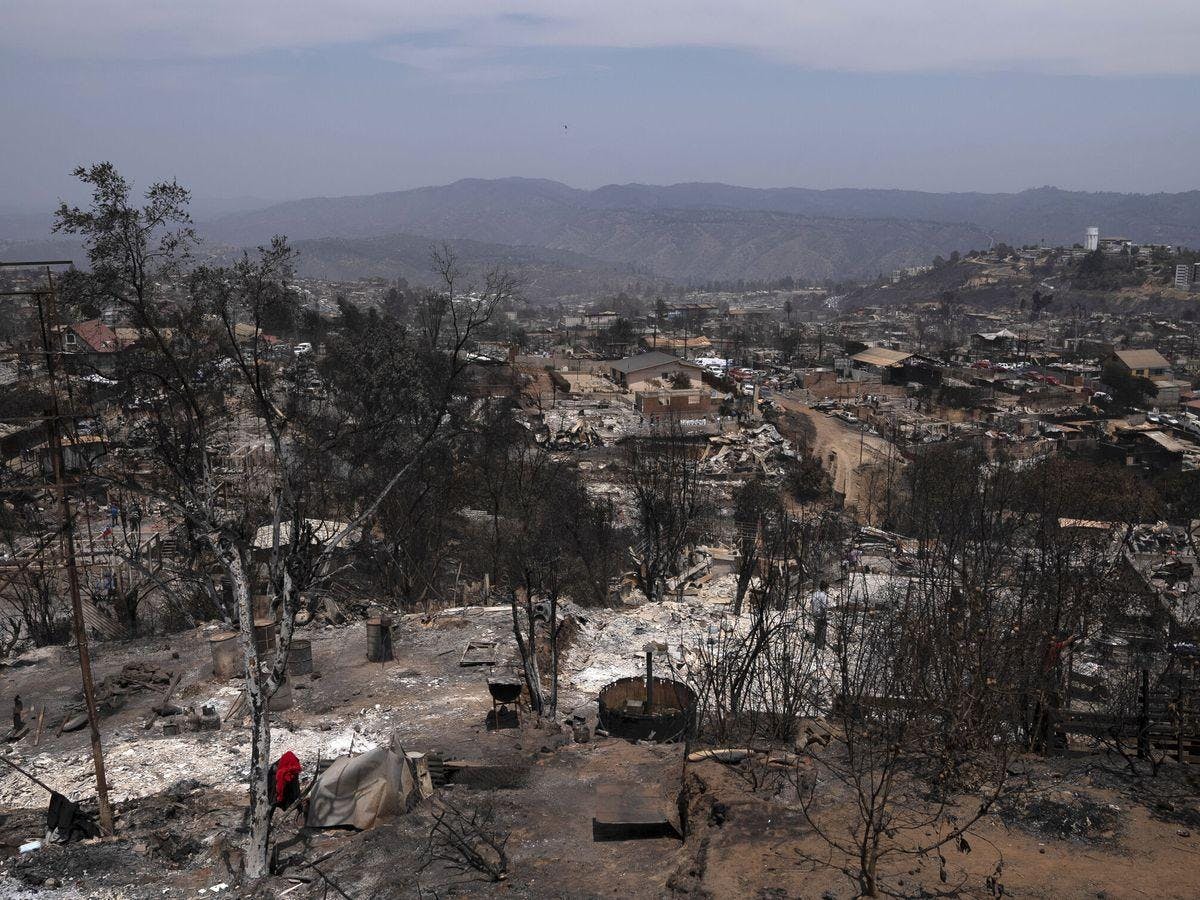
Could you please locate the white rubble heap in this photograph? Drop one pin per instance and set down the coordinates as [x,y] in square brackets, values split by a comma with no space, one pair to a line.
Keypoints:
[610,644]
[751,450]
[137,767]
[11,889]
[569,428]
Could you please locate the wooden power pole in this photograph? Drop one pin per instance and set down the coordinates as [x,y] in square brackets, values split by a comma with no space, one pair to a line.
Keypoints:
[49,324]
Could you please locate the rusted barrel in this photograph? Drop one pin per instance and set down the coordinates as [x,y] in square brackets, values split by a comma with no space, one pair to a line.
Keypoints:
[226,654]
[262,606]
[282,698]
[300,658]
[379,639]
[264,637]
[671,717]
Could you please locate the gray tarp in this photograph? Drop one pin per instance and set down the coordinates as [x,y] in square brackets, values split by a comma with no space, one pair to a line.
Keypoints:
[359,790]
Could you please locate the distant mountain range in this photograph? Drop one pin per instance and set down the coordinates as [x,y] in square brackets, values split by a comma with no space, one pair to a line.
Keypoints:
[1047,213]
[619,234]
[717,231]
[632,228]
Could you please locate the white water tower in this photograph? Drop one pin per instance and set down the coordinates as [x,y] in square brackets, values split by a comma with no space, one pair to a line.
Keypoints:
[1091,239]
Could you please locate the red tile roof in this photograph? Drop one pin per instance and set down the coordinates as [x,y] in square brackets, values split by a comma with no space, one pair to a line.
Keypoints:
[98,336]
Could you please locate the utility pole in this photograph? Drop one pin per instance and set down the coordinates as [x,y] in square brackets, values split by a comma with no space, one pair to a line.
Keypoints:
[68,528]
[48,324]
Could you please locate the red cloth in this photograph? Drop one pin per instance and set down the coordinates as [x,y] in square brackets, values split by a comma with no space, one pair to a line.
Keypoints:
[287,770]
[1054,652]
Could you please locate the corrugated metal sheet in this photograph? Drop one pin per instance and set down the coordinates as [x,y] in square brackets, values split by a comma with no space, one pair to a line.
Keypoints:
[881,356]
[1143,359]
[101,623]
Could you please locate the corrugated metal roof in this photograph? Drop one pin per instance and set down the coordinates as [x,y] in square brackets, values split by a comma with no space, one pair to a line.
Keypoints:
[645,361]
[881,356]
[323,531]
[1168,443]
[1143,359]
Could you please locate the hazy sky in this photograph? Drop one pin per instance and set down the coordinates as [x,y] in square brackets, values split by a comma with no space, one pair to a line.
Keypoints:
[291,98]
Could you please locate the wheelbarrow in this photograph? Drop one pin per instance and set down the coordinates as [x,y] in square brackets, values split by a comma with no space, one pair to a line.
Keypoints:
[504,693]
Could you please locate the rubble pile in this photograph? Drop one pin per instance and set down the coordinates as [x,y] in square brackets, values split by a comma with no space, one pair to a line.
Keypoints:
[611,644]
[566,434]
[876,550]
[133,677]
[1159,538]
[619,494]
[113,692]
[1164,557]
[584,427]
[751,451]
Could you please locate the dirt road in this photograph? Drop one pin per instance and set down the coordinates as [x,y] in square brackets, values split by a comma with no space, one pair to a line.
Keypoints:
[846,451]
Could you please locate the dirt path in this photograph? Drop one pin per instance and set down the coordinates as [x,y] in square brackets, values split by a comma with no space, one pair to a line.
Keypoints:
[844,450]
[761,843]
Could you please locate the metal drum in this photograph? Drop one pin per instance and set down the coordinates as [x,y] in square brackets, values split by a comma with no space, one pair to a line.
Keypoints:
[282,698]
[666,713]
[225,655]
[300,658]
[264,637]
[379,639]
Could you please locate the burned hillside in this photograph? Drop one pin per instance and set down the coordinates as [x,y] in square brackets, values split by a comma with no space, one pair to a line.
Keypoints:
[376,599]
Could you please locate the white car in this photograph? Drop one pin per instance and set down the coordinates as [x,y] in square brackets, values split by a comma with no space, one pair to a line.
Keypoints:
[302,348]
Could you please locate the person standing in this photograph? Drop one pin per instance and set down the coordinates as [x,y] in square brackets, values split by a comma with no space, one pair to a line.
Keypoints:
[1049,706]
[820,611]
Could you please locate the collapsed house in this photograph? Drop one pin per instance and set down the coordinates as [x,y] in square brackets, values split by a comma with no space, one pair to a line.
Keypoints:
[750,451]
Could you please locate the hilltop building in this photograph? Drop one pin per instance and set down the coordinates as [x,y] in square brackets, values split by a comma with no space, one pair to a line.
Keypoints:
[1187,276]
[1143,363]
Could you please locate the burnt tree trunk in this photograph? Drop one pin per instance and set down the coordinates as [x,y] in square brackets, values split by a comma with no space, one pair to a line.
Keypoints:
[527,646]
[258,845]
[554,656]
